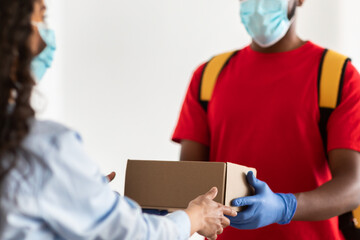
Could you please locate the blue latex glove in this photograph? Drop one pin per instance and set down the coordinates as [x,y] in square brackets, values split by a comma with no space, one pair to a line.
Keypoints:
[264,208]
[155,212]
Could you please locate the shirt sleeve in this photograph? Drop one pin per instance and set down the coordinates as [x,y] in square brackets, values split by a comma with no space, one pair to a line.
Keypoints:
[344,123]
[76,202]
[193,122]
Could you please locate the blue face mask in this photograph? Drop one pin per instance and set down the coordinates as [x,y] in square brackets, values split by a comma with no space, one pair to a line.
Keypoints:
[43,60]
[266,21]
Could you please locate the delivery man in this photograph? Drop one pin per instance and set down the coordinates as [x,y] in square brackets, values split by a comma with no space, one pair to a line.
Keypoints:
[263,112]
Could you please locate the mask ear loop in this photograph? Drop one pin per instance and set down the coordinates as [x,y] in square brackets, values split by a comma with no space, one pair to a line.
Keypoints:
[293,12]
[40,24]
[35,24]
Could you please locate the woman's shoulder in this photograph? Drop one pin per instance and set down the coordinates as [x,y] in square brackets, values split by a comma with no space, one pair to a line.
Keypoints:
[45,134]
[47,127]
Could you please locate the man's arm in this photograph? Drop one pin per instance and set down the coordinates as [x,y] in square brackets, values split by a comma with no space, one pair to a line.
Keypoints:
[339,195]
[194,151]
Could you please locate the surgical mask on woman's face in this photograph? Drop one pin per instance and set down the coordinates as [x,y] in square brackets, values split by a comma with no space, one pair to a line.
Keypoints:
[44,59]
[266,21]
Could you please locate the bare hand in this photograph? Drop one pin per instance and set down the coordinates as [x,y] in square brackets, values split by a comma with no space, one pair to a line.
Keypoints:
[207,216]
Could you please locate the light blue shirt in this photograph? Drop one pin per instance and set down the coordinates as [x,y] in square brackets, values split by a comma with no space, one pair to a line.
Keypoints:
[62,194]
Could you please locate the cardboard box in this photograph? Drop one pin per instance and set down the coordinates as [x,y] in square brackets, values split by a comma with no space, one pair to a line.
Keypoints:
[172,185]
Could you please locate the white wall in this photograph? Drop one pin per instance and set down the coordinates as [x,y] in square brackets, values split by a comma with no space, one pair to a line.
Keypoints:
[350,30]
[125,67]
[122,67]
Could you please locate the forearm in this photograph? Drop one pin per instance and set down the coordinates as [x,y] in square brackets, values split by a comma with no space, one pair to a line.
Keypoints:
[193,151]
[130,223]
[339,195]
[194,221]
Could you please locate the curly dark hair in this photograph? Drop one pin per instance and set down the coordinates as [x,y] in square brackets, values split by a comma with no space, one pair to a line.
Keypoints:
[16,81]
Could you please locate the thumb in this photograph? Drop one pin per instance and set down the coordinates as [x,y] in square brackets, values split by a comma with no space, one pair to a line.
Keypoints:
[212,193]
[254,182]
[244,201]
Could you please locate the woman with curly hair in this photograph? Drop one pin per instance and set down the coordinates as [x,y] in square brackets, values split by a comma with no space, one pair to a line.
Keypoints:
[50,189]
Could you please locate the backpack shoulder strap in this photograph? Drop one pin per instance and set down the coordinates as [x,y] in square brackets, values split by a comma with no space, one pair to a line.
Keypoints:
[356,216]
[330,82]
[332,71]
[210,75]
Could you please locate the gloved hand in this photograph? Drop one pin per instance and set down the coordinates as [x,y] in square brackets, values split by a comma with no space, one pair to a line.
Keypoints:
[155,212]
[264,208]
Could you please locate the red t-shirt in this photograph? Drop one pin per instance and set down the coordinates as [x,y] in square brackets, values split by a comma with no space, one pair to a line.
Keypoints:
[264,114]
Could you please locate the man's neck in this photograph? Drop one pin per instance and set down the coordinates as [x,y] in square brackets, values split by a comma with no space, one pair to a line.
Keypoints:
[290,41]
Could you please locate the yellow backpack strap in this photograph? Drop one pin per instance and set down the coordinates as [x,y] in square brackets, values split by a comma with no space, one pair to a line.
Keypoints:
[356,216]
[210,75]
[330,81]
[332,70]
